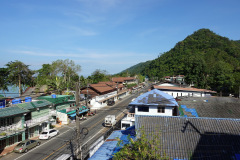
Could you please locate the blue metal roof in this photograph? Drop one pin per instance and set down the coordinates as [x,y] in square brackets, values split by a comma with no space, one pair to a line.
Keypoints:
[109,148]
[155,97]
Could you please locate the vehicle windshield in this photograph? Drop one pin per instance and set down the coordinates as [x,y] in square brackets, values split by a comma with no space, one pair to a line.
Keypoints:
[20,144]
[44,133]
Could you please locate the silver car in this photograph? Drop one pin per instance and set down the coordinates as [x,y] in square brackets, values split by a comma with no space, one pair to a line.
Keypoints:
[26,145]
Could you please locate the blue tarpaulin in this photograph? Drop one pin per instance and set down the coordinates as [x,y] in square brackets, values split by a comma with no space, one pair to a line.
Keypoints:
[109,148]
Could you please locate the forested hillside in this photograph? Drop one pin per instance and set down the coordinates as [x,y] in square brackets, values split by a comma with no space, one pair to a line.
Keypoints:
[205,58]
[136,69]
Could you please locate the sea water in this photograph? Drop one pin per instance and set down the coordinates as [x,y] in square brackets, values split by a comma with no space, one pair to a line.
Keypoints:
[13,92]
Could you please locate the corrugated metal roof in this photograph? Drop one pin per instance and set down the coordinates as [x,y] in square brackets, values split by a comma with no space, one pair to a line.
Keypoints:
[109,148]
[155,97]
[210,107]
[32,105]
[59,98]
[11,111]
[194,138]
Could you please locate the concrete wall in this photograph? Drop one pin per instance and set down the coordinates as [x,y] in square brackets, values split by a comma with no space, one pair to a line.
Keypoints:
[62,117]
[153,110]
[185,94]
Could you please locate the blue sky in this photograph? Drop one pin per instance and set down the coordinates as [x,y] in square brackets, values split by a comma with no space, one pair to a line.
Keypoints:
[110,35]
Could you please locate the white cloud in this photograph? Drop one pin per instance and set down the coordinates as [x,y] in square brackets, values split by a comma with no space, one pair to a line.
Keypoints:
[81,31]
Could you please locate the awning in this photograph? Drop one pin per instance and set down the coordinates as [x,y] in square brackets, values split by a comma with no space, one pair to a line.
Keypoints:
[74,114]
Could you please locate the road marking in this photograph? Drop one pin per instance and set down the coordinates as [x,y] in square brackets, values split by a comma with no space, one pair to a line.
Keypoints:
[93,136]
[40,145]
[55,151]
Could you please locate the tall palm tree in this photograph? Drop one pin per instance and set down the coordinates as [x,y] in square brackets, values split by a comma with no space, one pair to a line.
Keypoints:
[3,80]
[19,74]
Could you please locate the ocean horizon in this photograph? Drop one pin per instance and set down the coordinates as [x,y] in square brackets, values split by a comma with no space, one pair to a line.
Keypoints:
[13,92]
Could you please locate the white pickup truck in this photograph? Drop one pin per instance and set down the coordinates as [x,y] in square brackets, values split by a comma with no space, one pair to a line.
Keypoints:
[110,120]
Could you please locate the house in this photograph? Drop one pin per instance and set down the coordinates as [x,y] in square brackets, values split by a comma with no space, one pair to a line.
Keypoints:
[207,128]
[124,80]
[22,121]
[63,109]
[12,128]
[155,102]
[103,92]
[128,121]
[37,119]
[177,91]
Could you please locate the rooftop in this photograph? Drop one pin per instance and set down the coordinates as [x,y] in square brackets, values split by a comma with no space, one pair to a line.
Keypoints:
[182,89]
[109,148]
[155,97]
[59,98]
[12,111]
[213,107]
[122,79]
[194,138]
[101,87]
[33,105]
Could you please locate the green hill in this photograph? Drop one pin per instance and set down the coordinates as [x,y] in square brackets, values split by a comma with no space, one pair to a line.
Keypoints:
[136,69]
[206,59]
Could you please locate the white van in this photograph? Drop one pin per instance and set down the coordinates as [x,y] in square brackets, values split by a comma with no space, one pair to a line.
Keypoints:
[65,157]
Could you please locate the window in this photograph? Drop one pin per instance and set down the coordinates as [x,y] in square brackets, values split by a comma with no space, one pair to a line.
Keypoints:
[161,109]
[143,109]
[32,141]
[125,125]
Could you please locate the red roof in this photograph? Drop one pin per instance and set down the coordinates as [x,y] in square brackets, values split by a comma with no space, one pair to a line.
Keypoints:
[122,79]
[102,87]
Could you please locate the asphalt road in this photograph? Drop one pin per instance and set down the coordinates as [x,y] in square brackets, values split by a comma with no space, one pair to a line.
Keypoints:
[93,129]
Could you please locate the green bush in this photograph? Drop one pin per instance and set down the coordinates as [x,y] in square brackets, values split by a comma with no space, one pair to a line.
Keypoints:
[3,134]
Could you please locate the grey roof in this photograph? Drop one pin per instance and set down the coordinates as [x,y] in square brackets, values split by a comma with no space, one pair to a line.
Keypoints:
[154,97]
[194,138]
[214,107]
[11,111]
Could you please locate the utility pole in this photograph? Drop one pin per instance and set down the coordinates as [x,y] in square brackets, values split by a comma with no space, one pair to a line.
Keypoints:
[79,149]
[117,90]
[86,100]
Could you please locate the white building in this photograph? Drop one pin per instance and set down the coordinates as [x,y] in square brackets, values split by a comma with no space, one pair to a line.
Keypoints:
[176,91]
[152,103]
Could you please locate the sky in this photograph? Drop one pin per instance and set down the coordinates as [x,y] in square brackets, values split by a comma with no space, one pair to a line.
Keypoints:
[110,35]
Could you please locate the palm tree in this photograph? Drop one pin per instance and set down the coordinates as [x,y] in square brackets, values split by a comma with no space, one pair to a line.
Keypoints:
[19,74]
[3,80]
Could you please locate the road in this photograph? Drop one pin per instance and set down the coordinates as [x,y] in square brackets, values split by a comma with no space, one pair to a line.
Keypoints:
[53,148]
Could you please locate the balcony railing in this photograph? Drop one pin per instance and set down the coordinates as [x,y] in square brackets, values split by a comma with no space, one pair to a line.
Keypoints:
[11,129]
[131,115]
[36,121]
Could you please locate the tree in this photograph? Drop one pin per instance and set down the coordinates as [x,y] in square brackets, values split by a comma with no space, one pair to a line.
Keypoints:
[99,75]
[44,74]
[66,68]
[19,74]
[143,148]
[221,78]
[3,79]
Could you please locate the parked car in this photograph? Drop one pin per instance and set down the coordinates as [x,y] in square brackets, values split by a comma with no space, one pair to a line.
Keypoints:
[110,103]
[48,134]
[26,145]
